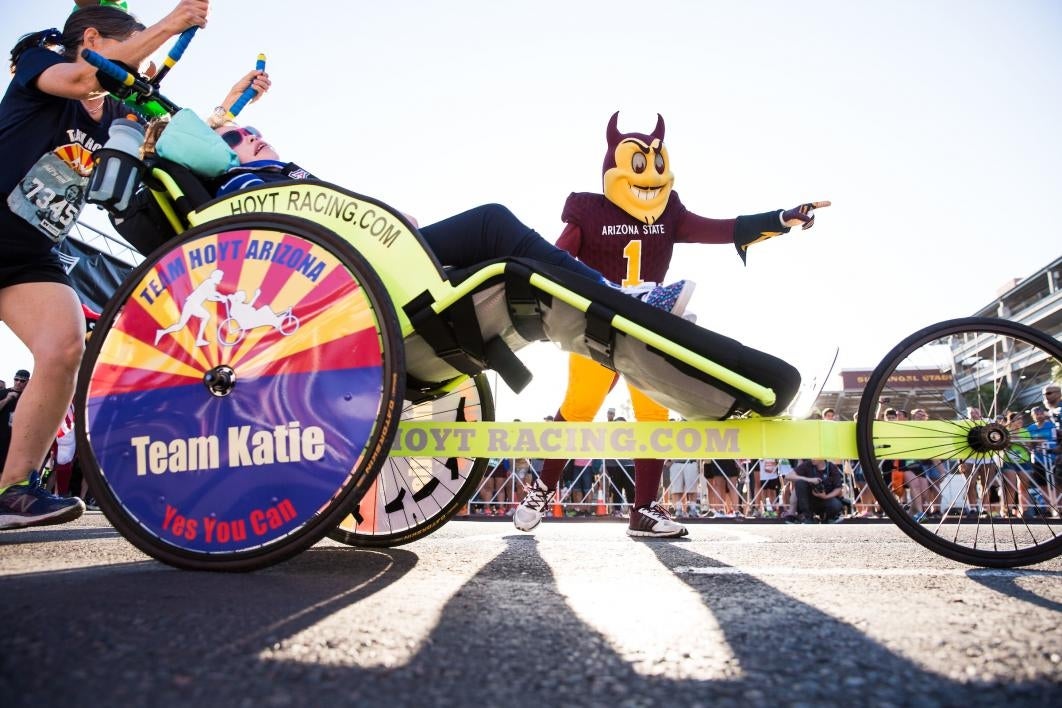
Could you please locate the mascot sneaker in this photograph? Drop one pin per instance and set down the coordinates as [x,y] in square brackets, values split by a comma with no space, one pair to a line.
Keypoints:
[653,521]
[536,501]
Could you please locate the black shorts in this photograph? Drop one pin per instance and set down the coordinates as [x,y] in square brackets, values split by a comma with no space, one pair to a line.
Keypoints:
[721,468]
[37,268]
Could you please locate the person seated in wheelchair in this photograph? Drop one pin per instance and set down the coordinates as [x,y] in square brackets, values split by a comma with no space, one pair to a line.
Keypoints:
[247,316]
[481,234]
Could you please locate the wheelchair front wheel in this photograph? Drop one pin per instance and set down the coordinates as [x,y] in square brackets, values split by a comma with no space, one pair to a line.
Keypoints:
[212,455]
[958,478]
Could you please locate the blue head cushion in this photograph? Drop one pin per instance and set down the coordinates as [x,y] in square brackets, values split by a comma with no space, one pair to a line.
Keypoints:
[190,142]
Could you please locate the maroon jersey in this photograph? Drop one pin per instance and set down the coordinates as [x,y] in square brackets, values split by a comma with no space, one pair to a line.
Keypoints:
[626,250]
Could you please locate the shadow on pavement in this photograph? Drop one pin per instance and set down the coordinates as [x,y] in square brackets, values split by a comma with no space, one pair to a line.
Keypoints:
[1006,583]
[782,640]
[150,635]
[57,533]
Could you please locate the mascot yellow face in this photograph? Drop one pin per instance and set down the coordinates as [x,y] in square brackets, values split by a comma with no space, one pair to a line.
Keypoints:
[636,173]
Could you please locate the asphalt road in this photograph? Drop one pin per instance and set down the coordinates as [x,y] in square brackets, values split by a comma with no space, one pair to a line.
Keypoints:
[574,614]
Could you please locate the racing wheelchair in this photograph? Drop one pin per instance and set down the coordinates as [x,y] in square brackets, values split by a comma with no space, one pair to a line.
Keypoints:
[372,421]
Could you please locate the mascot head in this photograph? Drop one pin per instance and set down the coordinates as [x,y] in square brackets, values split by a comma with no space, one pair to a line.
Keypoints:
[637,172]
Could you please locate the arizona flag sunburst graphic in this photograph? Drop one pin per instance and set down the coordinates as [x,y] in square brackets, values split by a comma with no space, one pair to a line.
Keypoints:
[223,473]
[78,157]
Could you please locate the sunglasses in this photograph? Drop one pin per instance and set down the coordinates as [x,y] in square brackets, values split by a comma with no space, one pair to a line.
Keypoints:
[234,137]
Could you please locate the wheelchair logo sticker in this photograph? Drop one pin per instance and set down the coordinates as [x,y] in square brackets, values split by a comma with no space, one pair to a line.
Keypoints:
[240,314]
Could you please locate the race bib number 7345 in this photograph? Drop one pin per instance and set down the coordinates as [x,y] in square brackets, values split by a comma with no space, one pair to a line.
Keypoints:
[49,197]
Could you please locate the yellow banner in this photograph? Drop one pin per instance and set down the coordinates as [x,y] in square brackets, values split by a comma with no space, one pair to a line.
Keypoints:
[737,439]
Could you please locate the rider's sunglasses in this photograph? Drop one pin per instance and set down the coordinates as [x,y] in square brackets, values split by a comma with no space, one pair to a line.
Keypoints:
[236,136]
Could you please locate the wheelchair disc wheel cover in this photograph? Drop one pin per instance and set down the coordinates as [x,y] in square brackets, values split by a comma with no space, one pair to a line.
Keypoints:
[235,457]
[413,496]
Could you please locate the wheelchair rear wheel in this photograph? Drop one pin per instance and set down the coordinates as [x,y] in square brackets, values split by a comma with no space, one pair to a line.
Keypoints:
[413,496]
[231,456]
[958,478]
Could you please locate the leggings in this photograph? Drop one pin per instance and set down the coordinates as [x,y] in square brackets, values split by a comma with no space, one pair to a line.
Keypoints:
[492,231]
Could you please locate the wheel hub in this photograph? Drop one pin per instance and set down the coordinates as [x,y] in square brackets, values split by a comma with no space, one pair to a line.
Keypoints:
[991,437]
[220,380]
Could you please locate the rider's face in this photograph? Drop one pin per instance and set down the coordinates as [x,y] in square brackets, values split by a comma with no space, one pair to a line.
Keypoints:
[247,143]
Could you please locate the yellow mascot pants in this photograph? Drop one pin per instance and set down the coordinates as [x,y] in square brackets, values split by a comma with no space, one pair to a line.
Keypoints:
[589,384]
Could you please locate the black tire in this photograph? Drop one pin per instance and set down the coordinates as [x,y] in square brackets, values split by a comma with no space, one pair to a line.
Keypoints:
[978,458]
[394,512]
[319,407]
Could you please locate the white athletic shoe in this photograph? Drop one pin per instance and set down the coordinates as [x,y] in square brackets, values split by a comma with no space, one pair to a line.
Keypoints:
[536,502]
[654,521]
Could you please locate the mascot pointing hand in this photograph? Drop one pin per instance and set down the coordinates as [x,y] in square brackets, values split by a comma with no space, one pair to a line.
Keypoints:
[628,233]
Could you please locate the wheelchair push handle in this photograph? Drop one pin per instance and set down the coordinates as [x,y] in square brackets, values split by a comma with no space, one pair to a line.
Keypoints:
[175,54]
[112,71]
[248,93]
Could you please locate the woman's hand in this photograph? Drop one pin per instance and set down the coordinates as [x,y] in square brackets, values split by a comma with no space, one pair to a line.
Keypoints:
[188,13]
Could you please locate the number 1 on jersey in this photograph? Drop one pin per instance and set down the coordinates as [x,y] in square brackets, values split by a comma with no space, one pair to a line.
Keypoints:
[633,253]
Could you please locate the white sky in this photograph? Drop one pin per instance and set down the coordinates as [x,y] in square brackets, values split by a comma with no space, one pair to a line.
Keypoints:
[933,127]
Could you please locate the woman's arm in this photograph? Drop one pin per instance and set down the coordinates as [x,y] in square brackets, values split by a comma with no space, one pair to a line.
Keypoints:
[77,79]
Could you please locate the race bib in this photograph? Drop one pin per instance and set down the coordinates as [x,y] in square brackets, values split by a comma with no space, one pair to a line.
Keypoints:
[50,197]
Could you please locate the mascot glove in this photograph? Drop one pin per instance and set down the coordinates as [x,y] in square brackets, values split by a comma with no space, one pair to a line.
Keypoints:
[803,215]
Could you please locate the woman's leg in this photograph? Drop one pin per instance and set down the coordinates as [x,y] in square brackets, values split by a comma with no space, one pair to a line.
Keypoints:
[47,318]
[492,231]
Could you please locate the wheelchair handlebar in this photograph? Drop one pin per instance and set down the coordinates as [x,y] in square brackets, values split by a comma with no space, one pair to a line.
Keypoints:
[248,93]
[111,70]
[176,52]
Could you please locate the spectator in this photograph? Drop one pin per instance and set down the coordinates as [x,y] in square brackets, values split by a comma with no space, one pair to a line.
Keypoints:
[770,488]
[722,476]
[818,486]
[523,471]
[64,449]
[685,476]
[1016,469]
[620,475]
[493,492]
[1044,433]
[578,479]
[922,477]
[1052,395]
[892,470]
[8,403]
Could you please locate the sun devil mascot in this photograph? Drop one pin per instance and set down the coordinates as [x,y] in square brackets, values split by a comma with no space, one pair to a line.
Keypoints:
[628,234]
